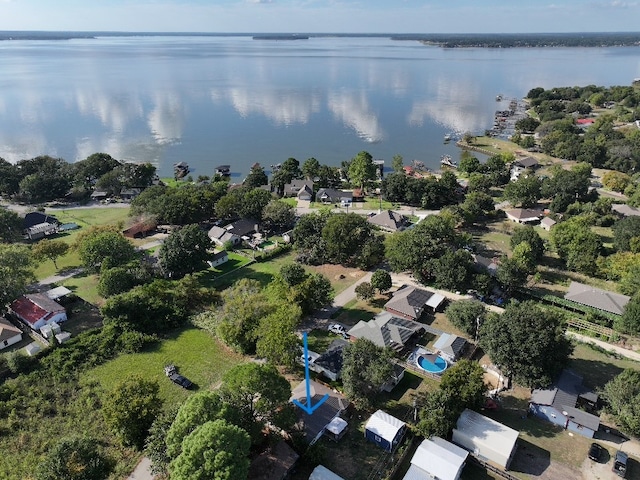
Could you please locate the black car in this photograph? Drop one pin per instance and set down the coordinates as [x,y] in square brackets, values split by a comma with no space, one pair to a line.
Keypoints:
[171,372]
[595,452]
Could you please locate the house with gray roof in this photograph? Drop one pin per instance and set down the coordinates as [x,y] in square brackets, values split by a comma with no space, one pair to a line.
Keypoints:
[331,195]
[450,346]
[410,302]
[625,210]
[389,220]
[387,330]
[220,236]
[597,298]
[523,215]
[557,404]
[294,188]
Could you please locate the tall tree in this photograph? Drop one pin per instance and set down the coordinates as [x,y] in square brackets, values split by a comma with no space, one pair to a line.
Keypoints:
[279,215]
[362,170]
[526,233]
[213,451]
[397,163]
[365,369]
[261,395]
[381,280]
[524,192]
[16,272]
[629,321]
[256,178]
[10,226]
[351,241]
[277,339]
[98,246]
[527,343]
[51,250]
[130,408]
[185,251]
[622,395]
[311,168]
[467,315]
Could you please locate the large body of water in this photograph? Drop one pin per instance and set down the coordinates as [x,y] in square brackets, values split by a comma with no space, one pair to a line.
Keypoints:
[234,100]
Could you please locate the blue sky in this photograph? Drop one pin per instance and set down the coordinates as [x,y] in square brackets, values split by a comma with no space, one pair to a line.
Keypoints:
[340,16]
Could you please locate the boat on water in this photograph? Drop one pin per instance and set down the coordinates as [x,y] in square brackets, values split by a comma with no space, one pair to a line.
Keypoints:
[447,161]
[224,170]
[499,98]
[181,169]
[447,137]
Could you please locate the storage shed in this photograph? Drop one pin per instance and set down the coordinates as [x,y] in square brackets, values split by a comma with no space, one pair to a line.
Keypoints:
[485,438]
[384,430]
[436,458]
[323,473]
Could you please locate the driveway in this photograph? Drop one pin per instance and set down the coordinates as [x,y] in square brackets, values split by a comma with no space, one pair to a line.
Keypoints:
[142,471]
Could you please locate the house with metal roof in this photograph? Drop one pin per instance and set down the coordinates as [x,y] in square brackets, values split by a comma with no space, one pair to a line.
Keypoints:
[411,302]
[597,298]
[557,404]
[436,458]
[485,439]
[37,310]
[387,330]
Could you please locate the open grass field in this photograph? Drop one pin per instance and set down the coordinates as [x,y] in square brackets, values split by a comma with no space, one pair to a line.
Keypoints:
[263,272]
[85,286]
[198,356]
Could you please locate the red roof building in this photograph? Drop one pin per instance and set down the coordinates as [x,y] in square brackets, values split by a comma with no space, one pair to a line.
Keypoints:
[38,310]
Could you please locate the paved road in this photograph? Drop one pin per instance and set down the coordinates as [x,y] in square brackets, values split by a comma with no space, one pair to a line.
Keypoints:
[142,471]
[60,276]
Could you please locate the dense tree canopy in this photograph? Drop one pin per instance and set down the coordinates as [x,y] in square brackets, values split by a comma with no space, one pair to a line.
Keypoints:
[526,233]
[278,215]
[524,192]
[10,225]
[365,369]
[16,272]
[467,315]
[99,245]
[351,241]
[185,251]
[74,458]
[577,245]
[629,321]
[624,231]
[527,343]
[622,395]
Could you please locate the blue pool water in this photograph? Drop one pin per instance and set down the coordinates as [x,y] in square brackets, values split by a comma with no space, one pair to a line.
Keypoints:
[440,364]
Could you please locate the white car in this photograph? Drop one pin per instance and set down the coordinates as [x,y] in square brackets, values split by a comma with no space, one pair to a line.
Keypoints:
[337,329]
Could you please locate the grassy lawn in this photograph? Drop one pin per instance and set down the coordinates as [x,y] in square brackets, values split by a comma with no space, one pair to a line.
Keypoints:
[340,277]
[198,356]
[263,272]
[85,286]
[208,277]
[85,217]
[598,367]
[355,310]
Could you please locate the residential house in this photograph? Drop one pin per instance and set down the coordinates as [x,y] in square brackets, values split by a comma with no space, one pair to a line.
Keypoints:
[41,230]
[385,430]
[276,463]
[220,236]
[387,330]
[435,458]
[38,310]
[129,194]
[218,259]
[546,223]
[99,195]
[329,363]
[35,218]
[305,193]
[9,333]
[411,302]
[557,404]
[597,298]
[489,265]
[140,229]
[389,220]
[450,347]
[323,473]
[314,425]
[330,195]
[485,439]
[625,210]
[520,166]
[294,188]
[523,215]
[243,227]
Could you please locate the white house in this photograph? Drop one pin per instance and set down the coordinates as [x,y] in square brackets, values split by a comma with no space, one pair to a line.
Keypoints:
[436,458]
[38,310]
[9,333]
[485,438]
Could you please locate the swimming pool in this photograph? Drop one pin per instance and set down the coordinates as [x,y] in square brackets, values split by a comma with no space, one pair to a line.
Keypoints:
[432,363]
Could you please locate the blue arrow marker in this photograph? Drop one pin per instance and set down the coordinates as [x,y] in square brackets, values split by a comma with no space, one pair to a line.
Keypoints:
[308,407]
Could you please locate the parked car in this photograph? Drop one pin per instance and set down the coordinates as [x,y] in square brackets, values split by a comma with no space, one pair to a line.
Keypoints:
[620,464]
[172,372]
[337,329]
[595,452]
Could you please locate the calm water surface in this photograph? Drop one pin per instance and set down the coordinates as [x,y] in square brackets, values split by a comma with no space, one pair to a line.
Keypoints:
[234,100]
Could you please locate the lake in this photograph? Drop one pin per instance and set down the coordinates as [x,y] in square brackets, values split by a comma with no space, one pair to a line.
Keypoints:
[234,100]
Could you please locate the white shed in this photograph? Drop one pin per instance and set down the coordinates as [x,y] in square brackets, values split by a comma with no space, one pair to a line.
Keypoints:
[32,348]
[385,430]
[323,473]
[485,438]
[436,458]
[63,337]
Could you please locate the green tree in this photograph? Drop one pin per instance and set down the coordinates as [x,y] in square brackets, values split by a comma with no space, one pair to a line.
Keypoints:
[156,445]
[9,178]
[527,343]
[99,246]
[436,418]
[130,408]
[465,384]
[260,394]
[451,271]
[622,395]
[311,168]
[526,233]
[616,181]
[468,163]
[381,280]
[397,163]
[365,369]
[114,281]
[185,251]
[10,226]
[351,241]
[524,192]
[362,170]
[524,258]
[313,293]
[289,170]
[213,451]
[629,321]
[293,274]
[51,250]
[74,458]
[467,315]
[197,410]
[624,231]
[279,215]
[277,339]
[16,272]
[254,203]
[365,291]
[256,178]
